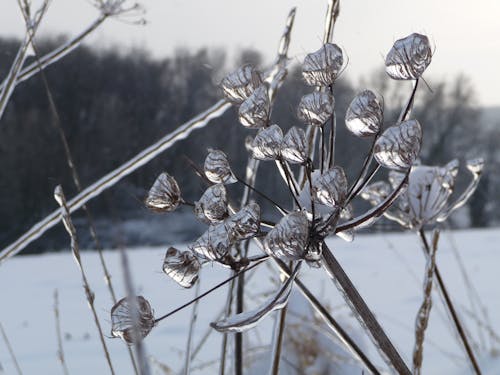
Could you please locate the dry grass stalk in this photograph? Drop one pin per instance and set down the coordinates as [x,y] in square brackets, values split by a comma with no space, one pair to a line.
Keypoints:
[424,311]
[60,351]
[70,228]
[11,351]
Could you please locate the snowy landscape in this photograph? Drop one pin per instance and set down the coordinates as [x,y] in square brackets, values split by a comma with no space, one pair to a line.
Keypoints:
[387,269]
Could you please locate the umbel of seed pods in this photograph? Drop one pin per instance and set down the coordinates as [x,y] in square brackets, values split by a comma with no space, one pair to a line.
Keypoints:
[296,236]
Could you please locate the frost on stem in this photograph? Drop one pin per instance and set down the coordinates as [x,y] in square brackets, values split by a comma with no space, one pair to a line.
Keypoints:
[267,143]
[217,168]
[164,195]
[212,206]
[255,110]
[330,188]
[322,67]
[240,84]
[316,108]
[294,148]
[122,319]
[182,266]
[409,57]
[364,116]
[290,237]
[399,146]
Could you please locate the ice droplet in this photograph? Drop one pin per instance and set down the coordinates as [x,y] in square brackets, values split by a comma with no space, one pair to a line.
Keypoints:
[164,195]
[316,108]
[267,143]
[294,147]
[364,115]
[212,206]
[399,145]
[122,319]
[409,57]
[289,238]
[255,110]
[217,168]
[322,67]
[181,266]
[240,84]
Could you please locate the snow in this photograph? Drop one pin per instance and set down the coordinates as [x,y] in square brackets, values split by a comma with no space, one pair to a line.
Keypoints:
[387,269]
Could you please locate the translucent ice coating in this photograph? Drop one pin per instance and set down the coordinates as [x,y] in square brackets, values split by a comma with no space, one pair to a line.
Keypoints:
[245,223]
[364,115]
[255,110]
[399,145]
[181,266]
[122,319]
[267,143]
[213,244]
[330,188]
[316,108]
[409,57]
[164,195]
[294,147]
[217,168]
[322,67]
[212,206]
[290,237]
[240,84]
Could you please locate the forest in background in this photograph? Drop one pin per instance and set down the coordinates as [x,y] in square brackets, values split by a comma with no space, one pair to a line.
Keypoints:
[114,104]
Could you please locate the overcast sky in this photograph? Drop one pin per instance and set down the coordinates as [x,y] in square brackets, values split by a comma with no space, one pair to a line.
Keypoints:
[466,34]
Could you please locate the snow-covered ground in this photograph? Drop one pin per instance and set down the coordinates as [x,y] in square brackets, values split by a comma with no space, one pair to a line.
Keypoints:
[387,269]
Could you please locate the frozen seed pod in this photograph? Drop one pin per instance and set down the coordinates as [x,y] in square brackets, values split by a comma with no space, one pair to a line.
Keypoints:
[294,147]
[244,224]
[217,168]
[290,237]
[182,266]
[255,110]
[399,146]
[376,192]
[364,115]
[330,188]
[316,108]
[240,84]
[409,57]
[322,67]
[164,195]
[212,206]
[132,319]
[267,143]
[213,244]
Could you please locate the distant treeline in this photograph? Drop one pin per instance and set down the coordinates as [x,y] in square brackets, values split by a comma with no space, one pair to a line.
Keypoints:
[114,104]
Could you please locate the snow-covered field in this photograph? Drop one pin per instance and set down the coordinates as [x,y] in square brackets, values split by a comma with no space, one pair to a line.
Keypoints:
[387,269]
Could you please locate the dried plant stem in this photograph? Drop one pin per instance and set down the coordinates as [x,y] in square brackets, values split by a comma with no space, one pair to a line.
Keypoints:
[238,337]
[424,311]
[363,312]
[450,307]
[60,351]
[228,310]
[70,228]
[194,317]
[11,351]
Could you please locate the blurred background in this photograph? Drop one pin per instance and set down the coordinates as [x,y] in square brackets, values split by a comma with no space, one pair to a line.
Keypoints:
[130,84]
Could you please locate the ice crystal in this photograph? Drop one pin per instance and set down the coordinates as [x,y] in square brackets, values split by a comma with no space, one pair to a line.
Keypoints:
[294,147]
[330,188]
[255,110]
[267,143]
[289,238]
[212,206]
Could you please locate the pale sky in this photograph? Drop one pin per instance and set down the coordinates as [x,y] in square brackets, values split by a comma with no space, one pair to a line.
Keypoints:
[466,34]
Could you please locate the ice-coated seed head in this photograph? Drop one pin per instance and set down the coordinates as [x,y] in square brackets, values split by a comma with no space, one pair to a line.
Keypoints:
[330,188]
[267,143]
[290,237]
[409,57]
[475,165]
[244,224]
[164,195]
[217,168]
[213,244]
[212,206]
[240,84]
[294,147]
[399,146]
[376,192]
[322,67]
[365,115]
[122,319]
[316,108]
[182,266]
[255,110]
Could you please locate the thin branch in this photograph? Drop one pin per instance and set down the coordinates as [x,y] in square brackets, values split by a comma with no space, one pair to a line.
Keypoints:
[194,316]
[60,351]
[11,351]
